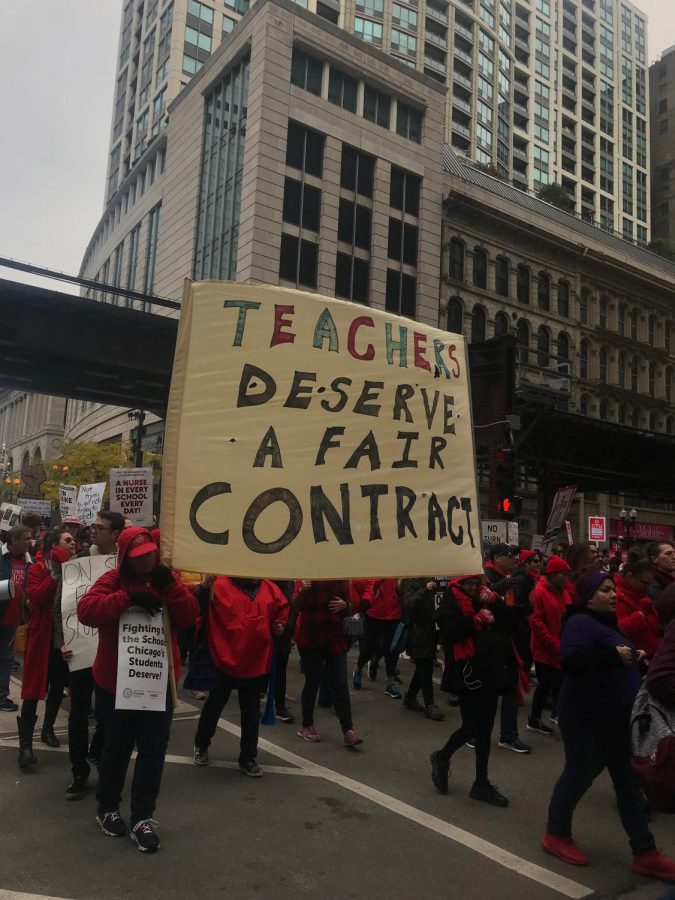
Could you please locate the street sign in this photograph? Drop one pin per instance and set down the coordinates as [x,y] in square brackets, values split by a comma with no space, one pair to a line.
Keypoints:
[497,531]
[597,529]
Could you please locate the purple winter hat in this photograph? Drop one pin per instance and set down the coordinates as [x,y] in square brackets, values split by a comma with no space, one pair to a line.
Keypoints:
[590,583]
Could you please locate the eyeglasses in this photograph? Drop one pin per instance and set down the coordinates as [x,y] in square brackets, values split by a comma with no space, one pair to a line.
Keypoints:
[99,528]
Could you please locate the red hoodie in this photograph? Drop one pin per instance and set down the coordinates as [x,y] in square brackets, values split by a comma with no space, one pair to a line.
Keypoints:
[546,622]
[382,595]
[637,616]
[104,603]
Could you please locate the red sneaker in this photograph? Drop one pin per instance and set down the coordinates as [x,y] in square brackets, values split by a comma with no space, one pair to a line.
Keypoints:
[654,865]
[565,849]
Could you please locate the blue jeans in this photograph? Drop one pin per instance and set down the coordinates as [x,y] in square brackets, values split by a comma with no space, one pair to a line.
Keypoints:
[591,747]
[7,633]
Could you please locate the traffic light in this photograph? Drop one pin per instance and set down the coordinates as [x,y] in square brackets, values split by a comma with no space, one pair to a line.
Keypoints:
[508,505]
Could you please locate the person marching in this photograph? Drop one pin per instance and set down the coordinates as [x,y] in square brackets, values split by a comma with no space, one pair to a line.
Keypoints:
[549,601]
[138,580]
[382,607]
[420,615]
[244,617]
[323,645]
[105,531]
[44,670]
[481,664]
[635,609]
[14,565]
[601,680]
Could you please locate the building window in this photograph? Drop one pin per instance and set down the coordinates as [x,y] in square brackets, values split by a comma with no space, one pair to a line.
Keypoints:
[228,24]
[523,285]
[634,373]
[376,106]
[368,30]
[306,71]
[544,292]
[622,370]
[455,321]
[456,260]
[669,385]
[479,268]
[501,324]
[634,324]
[222,168]
[478,320]
[401,42]
[298,261]
[622,319]
[502,276]
[354,224]
[652,379]
[603,365]
[351,277]
[342,89]
[400,293]
[603,410]
[622,413]
[563,347]
[651,332]
[583,306]
[151,251]
[302,204]
[583,359]
[304,149]
[583,405]
[604,309]
[132,262]
[402,244]
[543,348]
[408,122]
[667,336]
[356,171]
[404,194]
[563,299]
[635,417]
[523,332]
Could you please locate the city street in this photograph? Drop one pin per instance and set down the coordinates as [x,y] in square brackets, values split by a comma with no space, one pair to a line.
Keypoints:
[324,822]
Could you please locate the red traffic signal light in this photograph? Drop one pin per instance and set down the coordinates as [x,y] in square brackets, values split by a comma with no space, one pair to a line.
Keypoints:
[507,505]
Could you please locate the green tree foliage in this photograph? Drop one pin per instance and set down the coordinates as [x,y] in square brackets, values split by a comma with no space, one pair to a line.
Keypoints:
[663,248]
[557,196]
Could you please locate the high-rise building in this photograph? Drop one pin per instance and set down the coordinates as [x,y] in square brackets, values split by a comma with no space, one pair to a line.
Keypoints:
[662,118]
[538,91]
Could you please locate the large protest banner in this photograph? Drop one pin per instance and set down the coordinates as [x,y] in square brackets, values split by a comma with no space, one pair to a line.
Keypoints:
[89,501]
[131,494]
[77,576]
[312,437]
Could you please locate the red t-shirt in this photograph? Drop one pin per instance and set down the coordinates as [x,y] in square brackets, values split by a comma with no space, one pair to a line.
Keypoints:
[13,614]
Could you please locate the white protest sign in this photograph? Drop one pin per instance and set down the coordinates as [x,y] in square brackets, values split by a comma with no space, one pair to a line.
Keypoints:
[39,507]
[131,494]
[77,576]
[142,662]
[89,501]
[10,515]
[513,533]
[67,500]
[537,541]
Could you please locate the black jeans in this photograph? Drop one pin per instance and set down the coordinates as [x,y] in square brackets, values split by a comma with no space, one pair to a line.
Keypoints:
[591,747]
[283,653]
[125,728]
[378,633]
[248,690]
[549,681]
[423,677]
[313,664]
[57,678]
[478,710]
[81,690]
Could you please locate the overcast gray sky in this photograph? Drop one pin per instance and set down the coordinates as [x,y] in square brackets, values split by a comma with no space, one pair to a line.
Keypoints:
[57,68]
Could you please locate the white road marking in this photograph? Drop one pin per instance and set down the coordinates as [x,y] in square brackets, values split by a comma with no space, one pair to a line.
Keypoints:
[19,895]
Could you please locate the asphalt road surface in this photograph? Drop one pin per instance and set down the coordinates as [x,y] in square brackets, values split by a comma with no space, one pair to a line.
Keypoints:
[324,822]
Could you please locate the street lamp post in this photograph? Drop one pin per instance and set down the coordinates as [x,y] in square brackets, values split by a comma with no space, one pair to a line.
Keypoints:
[138,415]
[628,520]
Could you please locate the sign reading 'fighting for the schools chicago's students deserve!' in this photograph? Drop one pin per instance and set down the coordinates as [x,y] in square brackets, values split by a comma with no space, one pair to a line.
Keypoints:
[309,437]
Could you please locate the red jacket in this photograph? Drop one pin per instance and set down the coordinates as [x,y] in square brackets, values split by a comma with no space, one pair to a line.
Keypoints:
[546,622]
[240,627]
[382,595]
[40,593]
[637,616]
[110,596]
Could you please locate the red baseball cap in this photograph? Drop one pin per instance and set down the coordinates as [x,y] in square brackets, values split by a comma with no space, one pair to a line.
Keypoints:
[71,520]
[140,545]
[556,566]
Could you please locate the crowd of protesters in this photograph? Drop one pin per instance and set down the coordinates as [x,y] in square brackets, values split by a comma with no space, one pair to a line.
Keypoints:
[579,637]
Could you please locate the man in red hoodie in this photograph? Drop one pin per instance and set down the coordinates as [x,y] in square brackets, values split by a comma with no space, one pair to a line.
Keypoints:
[635,609]
[139,580]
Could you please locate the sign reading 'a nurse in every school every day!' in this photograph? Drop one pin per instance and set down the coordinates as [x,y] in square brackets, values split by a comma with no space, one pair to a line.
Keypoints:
[308,437]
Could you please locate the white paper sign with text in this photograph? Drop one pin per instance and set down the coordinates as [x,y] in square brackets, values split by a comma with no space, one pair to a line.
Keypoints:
[131,494]
[10,515]
[142,662]
[89,501]
[77,576]
[67,500]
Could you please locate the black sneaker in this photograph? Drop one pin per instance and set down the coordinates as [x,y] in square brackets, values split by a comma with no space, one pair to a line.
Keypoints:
[111,823]
[516,746]
[488,793]
[372,670]
[439,773]
[251,768]
[285,715]
[201,756]
[8,705]
[77,789]
[144,836]
[538,725]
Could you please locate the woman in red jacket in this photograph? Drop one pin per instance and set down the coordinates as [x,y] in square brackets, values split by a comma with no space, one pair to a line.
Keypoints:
[44,669]
[635,609]
[549,600]
[382,606]
[245,615]
[137,581]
